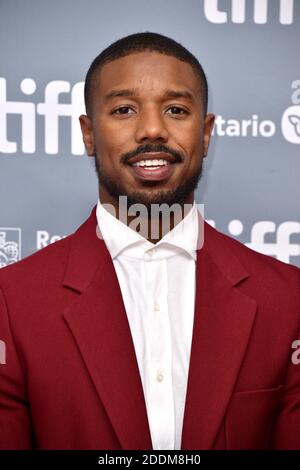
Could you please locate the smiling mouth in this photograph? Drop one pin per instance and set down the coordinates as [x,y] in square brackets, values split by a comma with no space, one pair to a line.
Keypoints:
[153,170]
[151,164]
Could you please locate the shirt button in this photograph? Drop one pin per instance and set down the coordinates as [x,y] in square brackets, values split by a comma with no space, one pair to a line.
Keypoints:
[156,307]
[159,376]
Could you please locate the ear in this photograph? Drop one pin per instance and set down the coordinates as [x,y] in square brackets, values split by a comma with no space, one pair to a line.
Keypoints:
[87,134]
[207,130]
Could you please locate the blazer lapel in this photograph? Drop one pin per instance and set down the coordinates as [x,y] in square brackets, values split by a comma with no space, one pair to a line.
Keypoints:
[223,321]
[99,324]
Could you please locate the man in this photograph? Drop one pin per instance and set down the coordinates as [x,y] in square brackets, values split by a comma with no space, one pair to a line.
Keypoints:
[124,337]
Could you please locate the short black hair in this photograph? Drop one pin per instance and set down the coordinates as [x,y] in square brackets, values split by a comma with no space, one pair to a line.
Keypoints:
[140,42]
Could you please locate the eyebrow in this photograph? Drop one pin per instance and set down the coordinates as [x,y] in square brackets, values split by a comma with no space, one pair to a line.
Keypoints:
[132,92]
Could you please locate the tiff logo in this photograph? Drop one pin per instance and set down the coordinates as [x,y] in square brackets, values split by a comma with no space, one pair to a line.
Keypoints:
[281,248]
[238,11]
[51,109]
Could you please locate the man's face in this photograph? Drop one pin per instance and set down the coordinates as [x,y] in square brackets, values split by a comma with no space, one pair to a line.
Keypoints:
[127,131]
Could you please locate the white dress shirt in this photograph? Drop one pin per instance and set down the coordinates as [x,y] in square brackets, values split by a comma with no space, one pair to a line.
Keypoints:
[157,283]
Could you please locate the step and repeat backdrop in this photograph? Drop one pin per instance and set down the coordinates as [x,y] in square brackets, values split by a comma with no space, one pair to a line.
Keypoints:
[249,50]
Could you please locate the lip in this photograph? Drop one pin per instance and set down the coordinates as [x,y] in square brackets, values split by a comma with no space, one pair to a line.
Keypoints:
[161,173]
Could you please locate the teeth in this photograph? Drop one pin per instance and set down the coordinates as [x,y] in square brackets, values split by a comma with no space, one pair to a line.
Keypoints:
[152,163]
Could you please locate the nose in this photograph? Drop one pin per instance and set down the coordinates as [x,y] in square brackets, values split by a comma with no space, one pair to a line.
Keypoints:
[151,126]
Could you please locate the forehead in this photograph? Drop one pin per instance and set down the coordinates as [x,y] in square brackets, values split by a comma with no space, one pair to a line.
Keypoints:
[147,72]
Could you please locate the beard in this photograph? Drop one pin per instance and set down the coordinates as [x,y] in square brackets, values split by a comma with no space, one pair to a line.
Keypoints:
[150,196]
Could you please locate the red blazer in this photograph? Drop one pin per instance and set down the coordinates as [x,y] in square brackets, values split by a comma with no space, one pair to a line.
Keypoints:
[71,379]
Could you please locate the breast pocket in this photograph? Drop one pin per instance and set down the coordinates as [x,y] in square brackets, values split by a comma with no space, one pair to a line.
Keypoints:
[250,417]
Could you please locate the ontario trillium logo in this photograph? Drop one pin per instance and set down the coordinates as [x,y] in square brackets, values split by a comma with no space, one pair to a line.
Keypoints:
[290,124]
[295,120]
[10,246]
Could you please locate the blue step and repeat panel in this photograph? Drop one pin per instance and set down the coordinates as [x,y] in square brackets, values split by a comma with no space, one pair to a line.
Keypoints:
[249,50]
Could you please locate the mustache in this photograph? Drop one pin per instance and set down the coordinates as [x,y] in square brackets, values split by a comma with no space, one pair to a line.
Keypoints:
[150,148]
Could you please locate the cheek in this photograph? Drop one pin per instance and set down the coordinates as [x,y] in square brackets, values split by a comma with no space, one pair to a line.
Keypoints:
[190,137]
[114,130]
[111,145]
[197,147]
[194,149]
[195,156]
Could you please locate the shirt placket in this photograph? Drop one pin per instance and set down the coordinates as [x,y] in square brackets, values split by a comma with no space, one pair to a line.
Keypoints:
[160,394]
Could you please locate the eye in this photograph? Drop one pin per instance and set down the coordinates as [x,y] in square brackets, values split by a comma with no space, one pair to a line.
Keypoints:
[180,109]
[121,109]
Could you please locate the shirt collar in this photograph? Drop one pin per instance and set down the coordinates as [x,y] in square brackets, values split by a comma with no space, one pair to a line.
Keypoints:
[119,237]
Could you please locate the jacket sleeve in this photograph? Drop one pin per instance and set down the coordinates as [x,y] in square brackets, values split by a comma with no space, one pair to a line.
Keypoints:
[15,426]
[286,431]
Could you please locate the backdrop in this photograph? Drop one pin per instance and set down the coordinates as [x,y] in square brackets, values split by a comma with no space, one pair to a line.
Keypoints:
[250,52]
